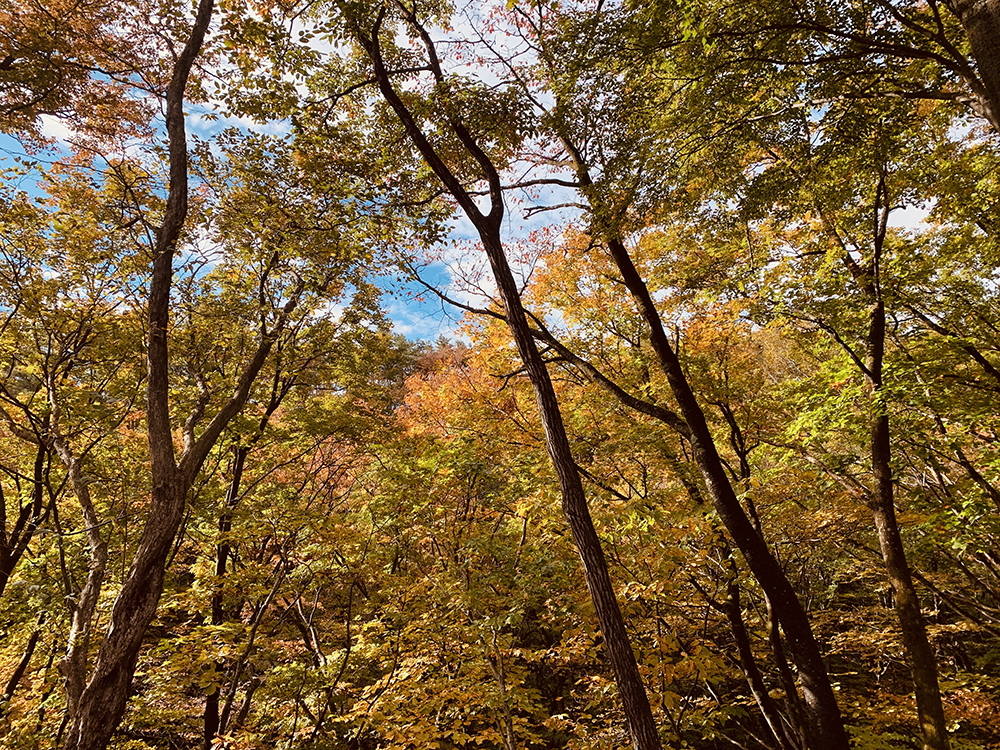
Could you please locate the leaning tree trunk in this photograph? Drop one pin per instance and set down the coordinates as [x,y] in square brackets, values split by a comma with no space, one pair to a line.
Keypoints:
[826,726]
[641,725]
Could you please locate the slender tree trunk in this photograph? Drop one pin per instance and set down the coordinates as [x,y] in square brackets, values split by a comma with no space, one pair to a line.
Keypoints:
[215,725]
[923,664]
[827,727]
[14,544]
[83,605]
[241,662]
[642,727]
[574,504]
[22,665]
[244,711]
[221,562]
[825,722]
[755,680]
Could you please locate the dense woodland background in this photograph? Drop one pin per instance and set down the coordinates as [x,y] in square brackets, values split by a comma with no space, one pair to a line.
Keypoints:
[711,461]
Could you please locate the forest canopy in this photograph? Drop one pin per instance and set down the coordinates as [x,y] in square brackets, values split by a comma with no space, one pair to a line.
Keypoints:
[709,456]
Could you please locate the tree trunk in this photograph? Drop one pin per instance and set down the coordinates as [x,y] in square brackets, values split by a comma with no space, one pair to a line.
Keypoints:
[642,727]
[221,561]
[645,735]
[867,277]
[22,665]
[825,722]
[923,664]
[74,664]
[14,544]
[981,19]
[101,705]
[755,680]
[214,724]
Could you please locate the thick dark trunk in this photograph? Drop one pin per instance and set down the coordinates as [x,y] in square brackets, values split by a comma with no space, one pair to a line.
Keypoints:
[102,704]
[981,20]
[574,504]
[211,717]
[923,666]
[826,726]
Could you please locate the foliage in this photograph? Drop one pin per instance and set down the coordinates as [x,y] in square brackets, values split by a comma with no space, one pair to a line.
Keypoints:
[373,555]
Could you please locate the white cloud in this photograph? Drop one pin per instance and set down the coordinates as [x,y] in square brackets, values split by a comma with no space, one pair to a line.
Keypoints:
[53,127]
[909,217]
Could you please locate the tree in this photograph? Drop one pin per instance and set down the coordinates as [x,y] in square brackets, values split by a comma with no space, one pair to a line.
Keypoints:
[51,52]
[469,156]
[724,357]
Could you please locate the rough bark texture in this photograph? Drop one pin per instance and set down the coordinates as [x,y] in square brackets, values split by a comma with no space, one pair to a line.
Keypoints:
[102,705]
[981,20]
[574,505]
[82,607]
[642,727]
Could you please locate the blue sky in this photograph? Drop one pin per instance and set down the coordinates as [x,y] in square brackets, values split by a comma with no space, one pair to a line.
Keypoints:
[416,313]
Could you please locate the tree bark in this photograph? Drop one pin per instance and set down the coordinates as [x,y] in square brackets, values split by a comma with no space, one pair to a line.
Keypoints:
[755,680]
[101,705]
[74,664]
[923,666]
[825,722]
[642,727]
[645,735]
[981,20]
